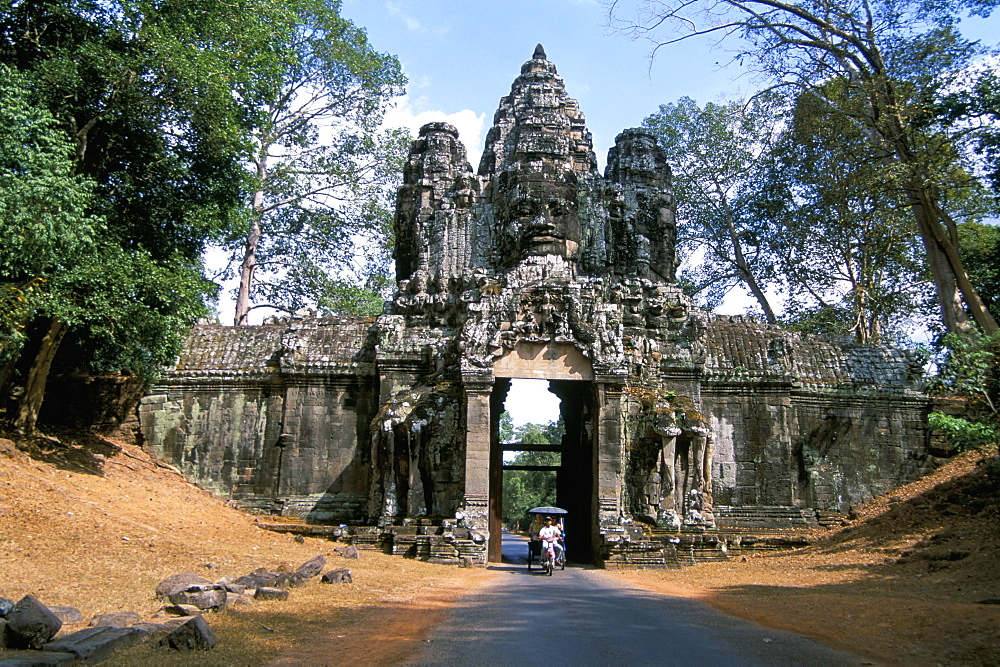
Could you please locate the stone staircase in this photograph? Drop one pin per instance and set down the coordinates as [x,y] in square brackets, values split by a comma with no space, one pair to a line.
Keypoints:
[764,518]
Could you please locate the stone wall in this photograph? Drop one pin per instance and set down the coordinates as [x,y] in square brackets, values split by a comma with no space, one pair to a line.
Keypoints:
[275,417]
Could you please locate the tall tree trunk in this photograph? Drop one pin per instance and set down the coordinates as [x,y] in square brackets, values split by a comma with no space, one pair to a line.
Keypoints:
[954,288]
[743,268]
[34,389]
[249,264]
[246,274]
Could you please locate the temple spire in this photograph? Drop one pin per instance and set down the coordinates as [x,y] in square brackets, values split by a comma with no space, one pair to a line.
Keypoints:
[539,53]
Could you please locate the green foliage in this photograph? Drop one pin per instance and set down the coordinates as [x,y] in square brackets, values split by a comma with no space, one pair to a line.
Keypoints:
[44,223]
[980,247]
[843,243]
[963,433]
[144,91]
[524,489]
[881,67]
[120,159]
[506,427]
[970,368]
[324,174]
[974,106]
[126,311]
[716,153]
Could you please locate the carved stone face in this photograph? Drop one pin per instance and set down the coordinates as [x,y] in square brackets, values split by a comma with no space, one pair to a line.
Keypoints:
[540,218]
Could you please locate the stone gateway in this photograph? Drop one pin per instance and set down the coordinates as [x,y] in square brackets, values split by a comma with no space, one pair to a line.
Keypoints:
[678,422]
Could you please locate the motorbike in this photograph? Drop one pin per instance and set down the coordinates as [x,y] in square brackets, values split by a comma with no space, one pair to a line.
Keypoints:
[548,558]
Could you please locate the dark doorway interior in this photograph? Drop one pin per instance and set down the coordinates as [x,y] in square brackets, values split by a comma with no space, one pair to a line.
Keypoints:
[576,477]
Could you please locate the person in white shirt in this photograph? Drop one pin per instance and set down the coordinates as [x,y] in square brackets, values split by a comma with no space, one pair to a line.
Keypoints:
[550,533]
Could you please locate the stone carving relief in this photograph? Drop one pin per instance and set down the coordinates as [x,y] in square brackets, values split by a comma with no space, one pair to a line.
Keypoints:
[670,477]
[416,455]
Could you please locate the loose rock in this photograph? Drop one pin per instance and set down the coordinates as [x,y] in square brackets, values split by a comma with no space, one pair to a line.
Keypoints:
[122,619]
[202,596]
[6,606]
[266,593]
[178,582]
[96,644]
[182,610]
[31,624]
[68,615]
[312,567]
[238,600]
[195,635]
[350,551]
[339,576]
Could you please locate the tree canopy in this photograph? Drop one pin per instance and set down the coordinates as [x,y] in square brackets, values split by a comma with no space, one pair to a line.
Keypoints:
[322,170]
[132,123]
[892,60]
[717,155]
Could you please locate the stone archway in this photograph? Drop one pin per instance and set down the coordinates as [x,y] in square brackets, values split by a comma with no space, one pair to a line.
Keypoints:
[572,379]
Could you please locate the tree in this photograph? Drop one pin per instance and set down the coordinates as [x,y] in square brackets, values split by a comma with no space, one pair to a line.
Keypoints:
[43,211]
[841,242]
[716,153]
[980,245]
[896,57]
[144,94]
[969,369]
[321,169]
[145,91]
[972,108]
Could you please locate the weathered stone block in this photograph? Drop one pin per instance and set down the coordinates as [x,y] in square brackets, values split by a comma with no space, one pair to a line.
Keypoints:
[339,576]
[68,615]
[96,644]
[30,624]
[266,593]
[178,582]
[121,619]
[38,659]
[312,567]
[194,635]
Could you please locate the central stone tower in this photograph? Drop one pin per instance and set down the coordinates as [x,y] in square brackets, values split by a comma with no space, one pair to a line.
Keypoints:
[537,205]
[531,267]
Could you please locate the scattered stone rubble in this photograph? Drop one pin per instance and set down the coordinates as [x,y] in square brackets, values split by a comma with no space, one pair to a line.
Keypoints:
[684,429]
[34,627]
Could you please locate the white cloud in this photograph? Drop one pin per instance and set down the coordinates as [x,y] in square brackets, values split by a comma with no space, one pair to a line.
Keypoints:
[413,24]
[471,126]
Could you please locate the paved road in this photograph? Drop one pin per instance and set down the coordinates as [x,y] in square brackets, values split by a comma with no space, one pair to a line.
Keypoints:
[581,616]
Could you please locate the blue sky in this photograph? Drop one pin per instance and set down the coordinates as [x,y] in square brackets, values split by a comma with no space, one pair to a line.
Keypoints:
[461,57]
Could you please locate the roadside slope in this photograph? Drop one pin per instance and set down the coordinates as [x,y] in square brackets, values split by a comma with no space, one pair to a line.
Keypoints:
[95,524]
[904,583]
